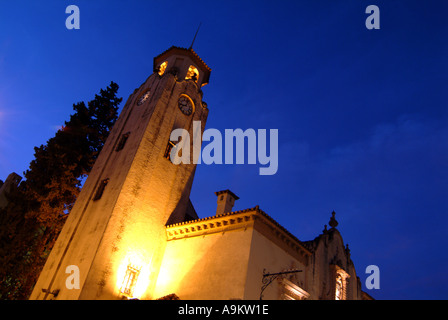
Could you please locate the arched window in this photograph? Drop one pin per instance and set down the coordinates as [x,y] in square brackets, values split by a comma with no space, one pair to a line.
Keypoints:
[192,73]
[339,287]
[162,68]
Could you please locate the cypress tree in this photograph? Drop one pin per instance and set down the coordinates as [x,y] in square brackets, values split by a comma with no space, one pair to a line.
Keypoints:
[38,208]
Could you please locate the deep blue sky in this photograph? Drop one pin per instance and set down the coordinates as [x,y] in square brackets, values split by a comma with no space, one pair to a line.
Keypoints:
[362,114]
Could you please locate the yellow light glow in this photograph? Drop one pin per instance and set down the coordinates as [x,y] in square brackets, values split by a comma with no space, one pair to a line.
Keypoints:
[192,73]
[130,280]
[339,287]
[133,276]
[162,68]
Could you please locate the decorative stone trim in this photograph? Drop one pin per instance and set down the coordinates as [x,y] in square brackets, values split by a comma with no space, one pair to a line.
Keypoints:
[222,223]
[338,271]
[291,291]
[191,51]
[242,219]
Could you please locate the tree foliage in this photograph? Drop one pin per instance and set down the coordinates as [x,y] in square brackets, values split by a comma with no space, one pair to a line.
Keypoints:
[38,207]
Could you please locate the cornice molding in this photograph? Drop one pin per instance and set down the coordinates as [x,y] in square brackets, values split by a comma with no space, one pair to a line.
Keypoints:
[242,219]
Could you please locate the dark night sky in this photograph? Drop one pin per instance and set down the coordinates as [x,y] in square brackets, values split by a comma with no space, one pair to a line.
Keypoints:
[361,114]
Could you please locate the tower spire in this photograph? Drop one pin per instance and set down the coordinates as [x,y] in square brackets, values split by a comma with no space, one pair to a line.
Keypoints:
[191,46]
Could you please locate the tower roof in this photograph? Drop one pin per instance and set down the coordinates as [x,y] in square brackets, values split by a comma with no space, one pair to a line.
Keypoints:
[188,52]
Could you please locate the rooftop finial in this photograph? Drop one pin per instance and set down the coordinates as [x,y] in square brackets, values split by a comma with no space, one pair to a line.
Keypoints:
[333,223]
[191,46]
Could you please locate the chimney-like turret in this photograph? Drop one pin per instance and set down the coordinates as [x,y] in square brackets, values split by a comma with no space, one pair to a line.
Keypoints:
[226,200]
[12,181]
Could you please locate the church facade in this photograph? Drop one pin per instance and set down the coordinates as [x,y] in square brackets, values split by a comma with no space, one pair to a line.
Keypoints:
[133,232]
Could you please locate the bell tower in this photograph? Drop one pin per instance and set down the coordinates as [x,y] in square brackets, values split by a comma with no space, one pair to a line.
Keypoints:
[113,241]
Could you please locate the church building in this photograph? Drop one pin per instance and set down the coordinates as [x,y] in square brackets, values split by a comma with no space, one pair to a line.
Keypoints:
[133,232]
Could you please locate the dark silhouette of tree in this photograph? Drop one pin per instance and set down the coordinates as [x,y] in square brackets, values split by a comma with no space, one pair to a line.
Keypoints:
[38,207]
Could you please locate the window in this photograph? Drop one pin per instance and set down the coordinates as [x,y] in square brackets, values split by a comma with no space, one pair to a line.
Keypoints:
[192,73]
[340,283]
[339,287]
[130,280]
[101,187]
[168,149]
[162,68]
[122,142]
[144,97]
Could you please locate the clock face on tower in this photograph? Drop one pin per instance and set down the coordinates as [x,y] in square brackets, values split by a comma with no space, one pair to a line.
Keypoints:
[143,98]
[185,105]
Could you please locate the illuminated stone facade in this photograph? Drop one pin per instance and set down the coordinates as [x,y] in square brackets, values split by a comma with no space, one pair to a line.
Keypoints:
[225,257]
[133,232]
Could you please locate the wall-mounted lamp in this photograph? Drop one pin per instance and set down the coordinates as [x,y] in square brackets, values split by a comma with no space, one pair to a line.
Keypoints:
[269,277]
[130,280]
